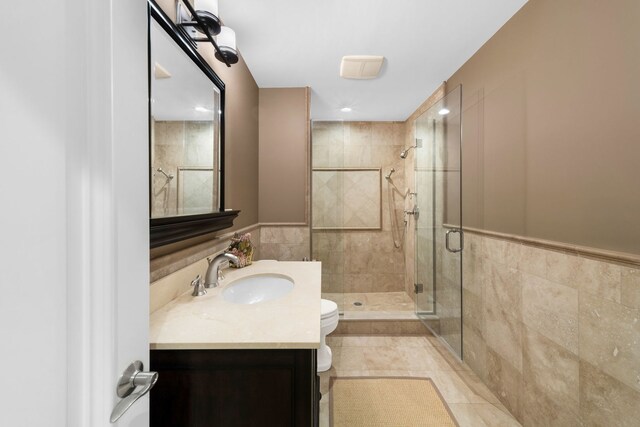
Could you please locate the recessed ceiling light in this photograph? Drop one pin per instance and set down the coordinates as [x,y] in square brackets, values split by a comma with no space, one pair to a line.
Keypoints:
[345,110]
[444,111]
[202,109]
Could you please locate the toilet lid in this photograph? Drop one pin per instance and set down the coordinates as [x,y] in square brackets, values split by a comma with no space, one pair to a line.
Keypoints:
[328,308]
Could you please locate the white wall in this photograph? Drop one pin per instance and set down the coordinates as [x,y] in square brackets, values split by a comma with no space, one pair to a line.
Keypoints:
[73,211]
[34,129]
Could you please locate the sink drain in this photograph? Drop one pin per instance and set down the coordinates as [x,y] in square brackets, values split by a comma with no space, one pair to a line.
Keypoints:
[357,303]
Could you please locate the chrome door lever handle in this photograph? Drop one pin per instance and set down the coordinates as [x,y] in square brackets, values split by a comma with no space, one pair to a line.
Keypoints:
[132,378]
[446,240]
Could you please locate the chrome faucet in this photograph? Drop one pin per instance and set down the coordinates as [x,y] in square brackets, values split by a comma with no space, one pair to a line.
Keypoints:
[212,278]
[198,287]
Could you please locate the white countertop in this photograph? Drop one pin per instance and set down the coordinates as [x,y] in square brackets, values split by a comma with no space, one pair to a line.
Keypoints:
[210,322]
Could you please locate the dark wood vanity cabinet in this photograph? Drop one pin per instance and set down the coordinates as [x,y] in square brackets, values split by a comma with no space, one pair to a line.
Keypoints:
[235,388]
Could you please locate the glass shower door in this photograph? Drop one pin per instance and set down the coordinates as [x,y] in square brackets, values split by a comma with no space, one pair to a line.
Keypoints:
[439,237]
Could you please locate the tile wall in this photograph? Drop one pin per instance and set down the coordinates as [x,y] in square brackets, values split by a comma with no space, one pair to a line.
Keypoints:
[179,144]
[362,260]
[285,242]
[554,335]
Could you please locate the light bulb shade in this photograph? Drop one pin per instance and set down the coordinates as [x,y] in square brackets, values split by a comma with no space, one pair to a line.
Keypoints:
[210,6]
[226,41]
[207,11]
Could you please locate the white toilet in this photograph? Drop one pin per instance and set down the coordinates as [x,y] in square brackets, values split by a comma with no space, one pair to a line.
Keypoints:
[328,323]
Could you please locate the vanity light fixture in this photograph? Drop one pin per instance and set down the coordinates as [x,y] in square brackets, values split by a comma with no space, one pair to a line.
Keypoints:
[227,46]
[346,109]
[203,18]
[444,111]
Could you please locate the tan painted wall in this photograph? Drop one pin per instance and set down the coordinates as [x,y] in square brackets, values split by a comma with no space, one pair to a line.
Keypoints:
[551,137]
[241,143]
[241,140]
[284,155]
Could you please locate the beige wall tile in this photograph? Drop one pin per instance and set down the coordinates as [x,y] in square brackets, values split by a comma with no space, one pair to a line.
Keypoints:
[598,278]
[386,327]
[610,338]
[363,144]
[532,260]
[503,335]
[501,251]
[630,287]
[472,272]
[358,327]
[551,309]
[472,309]
[474,351]
[552,370]
[573,351]
[506,383]
[540,410]
[502,312]
[605,401]
[502,289]
[561,267]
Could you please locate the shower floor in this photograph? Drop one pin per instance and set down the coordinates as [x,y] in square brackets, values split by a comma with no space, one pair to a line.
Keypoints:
[374,305]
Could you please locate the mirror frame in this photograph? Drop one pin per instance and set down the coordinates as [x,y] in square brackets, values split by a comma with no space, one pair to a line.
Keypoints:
[176,228]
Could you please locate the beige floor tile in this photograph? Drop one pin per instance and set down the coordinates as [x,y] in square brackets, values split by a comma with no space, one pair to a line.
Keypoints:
[384,358]
[470,400]
[335,341]
[366,341]
[351,358]
[481,415]
[454,389]
[389,373]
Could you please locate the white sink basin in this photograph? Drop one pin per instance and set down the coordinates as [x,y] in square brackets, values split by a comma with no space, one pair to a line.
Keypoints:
[257,288]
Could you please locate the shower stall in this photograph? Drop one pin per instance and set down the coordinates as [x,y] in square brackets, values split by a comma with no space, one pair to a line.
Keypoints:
[377,187]
[357,217]
[439,239]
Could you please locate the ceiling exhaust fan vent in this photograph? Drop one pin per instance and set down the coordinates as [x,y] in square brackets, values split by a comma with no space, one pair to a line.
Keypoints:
[360,67]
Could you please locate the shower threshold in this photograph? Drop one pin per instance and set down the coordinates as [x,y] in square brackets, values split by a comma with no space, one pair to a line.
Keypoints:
[374,305]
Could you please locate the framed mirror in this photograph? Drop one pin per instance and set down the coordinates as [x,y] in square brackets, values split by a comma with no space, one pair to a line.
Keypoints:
[186,132]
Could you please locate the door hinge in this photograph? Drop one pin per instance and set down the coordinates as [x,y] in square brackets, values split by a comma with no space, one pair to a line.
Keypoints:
[418,288]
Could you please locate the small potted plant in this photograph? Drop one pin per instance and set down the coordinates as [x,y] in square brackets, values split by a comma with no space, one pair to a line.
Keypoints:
[241,247]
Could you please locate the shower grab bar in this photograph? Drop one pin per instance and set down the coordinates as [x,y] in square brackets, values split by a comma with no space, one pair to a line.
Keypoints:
[446,240]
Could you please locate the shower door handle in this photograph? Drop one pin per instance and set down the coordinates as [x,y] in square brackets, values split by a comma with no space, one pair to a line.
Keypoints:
[446,240]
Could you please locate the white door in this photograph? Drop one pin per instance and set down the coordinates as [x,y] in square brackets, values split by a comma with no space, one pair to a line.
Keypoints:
[74,249]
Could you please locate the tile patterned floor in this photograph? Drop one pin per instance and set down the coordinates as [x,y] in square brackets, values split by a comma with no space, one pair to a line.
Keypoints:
[471,402]
[375,305]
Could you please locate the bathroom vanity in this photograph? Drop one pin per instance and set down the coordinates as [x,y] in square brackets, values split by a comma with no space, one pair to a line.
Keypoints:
[244,354]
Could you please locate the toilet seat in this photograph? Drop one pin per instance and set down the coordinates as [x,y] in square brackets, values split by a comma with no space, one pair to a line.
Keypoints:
[329,318]
[328,309]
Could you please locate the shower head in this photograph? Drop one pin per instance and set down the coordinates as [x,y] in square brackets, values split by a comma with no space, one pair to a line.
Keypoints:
[405,152]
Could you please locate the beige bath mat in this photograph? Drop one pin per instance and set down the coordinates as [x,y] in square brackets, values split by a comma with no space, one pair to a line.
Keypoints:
[387,402]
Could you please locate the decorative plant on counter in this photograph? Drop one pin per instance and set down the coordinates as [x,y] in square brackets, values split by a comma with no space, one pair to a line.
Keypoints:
[241,247]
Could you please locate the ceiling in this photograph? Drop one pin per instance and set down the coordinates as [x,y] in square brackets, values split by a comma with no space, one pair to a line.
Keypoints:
[295,43]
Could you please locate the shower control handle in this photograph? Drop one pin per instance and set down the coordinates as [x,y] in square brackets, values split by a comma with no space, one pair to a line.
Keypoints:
[415,212]
[446,240]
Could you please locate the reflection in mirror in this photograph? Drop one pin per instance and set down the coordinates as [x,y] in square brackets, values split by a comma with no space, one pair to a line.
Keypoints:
[185,133]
